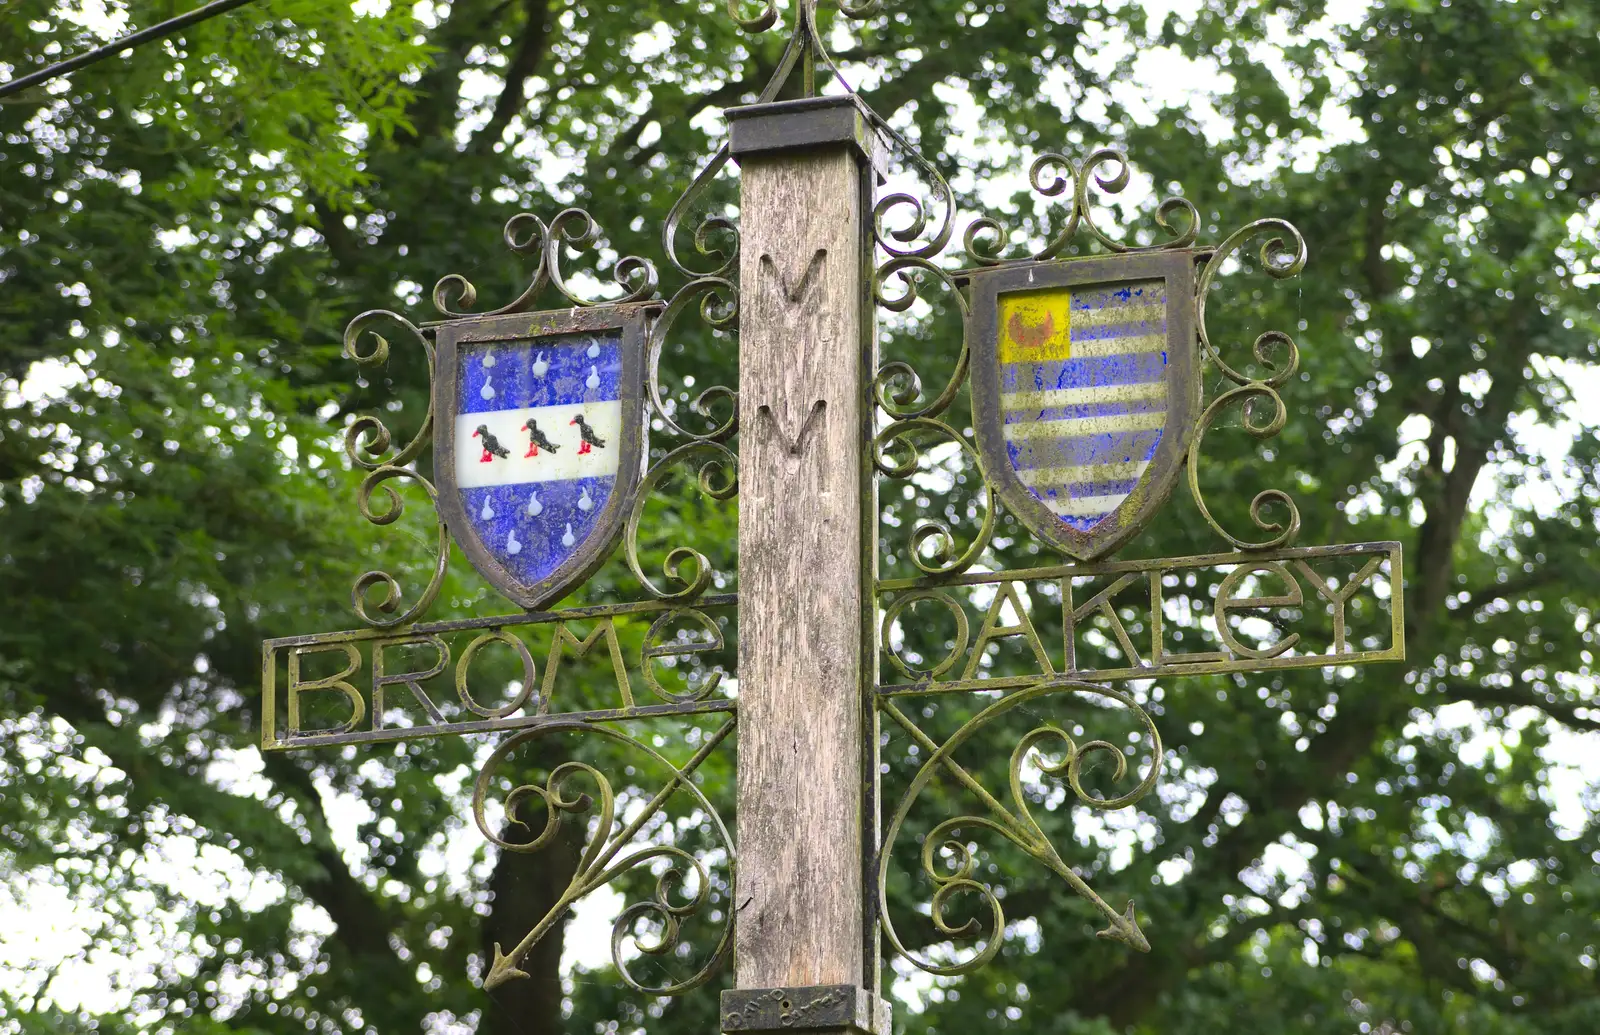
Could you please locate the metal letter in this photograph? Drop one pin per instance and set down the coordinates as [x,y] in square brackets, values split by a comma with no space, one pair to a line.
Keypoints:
[410,679]
[1158,649]
[338,681]
[529,676]
[1338,598]
[652,650]
[1101,601]
[993,630]
[580,648]
[1226,602]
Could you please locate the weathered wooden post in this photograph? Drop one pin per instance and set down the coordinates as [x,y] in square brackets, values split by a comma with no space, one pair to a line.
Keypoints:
[806,520]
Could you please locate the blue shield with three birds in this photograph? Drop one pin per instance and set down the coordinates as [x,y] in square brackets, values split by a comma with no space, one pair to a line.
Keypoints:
[544,440]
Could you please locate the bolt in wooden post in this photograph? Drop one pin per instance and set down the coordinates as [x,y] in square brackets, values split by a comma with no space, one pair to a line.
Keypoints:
[805,357]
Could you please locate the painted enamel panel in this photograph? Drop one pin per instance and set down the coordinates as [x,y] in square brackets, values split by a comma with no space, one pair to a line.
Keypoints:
[1083,391]
[536,453]
[541,437]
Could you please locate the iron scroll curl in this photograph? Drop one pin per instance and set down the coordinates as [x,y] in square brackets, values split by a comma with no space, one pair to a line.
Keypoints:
[577,789]
[1282,256]
[947,557]
[1064,173]
[367,443]
[896,386]
[718,479]
[718,299]
[1015,823]
[389,603]
[527,234]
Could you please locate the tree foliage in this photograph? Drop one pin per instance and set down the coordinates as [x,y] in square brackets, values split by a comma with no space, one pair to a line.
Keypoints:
[185,229]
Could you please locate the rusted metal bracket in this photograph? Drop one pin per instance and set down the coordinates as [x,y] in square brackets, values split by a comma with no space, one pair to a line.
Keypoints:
[837,1008]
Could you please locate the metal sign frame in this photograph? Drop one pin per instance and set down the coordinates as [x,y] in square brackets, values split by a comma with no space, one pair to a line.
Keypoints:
[987,287]
[452,339]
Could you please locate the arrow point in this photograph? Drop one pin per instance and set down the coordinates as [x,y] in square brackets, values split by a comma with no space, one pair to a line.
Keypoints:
[1125,929]
[503,970]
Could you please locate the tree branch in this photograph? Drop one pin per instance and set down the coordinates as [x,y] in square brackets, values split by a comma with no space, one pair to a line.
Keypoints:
[434,106]
[1546,576]
[531,50]
[342,244]
[1511,697]
[363,920]
[1240,930]
[1373,265]
[722,96]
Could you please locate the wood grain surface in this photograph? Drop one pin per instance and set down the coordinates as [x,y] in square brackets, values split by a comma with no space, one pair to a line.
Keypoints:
[801,395]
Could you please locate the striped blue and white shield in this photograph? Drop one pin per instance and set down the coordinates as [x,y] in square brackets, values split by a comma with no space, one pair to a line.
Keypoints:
[539,444]
[1084,392]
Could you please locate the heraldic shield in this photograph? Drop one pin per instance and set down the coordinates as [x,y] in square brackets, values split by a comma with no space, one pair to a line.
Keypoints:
[540,440]
[1084,391]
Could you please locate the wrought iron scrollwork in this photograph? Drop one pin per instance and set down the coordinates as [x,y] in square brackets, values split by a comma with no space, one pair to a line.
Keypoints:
[954,878]
[719,307]
[577,789]
[898,390]
[527,234]
[910,415]
[367,439]
[574,228]
[897,386]
[710,229]
[685,887]
[690,569]
[799,51]
[947,558]
[958,642]
[467,295]
[1281,259]
[914,240]
[804,52]
[717,296]
[766,19]
[1063,174]
[388,605]
[367,443]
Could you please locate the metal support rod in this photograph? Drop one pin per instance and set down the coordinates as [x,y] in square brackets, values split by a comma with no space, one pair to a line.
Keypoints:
[128,42]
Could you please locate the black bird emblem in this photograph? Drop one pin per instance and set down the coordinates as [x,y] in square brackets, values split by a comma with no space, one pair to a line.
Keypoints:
[591,441]
[491,445]
[537,440]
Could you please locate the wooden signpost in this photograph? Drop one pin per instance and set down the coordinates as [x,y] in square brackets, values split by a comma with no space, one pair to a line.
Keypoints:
[1087,409]
[806,345]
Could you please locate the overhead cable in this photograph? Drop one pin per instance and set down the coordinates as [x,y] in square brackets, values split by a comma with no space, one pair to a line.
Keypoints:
[128,42]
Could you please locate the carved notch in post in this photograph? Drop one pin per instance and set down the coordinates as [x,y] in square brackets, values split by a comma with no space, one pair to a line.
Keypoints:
[793,444]
[806,351]
[796,289]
